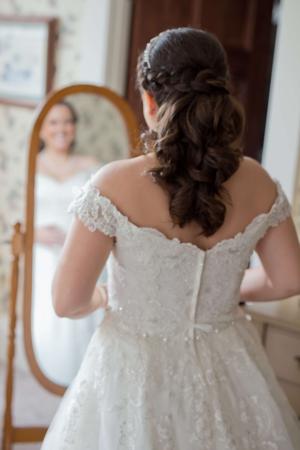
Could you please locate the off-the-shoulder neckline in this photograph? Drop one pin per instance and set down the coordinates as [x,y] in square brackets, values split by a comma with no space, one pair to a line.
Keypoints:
[176,241]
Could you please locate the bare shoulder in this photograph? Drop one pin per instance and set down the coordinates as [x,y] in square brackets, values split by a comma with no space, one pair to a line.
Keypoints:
[119,177]
[253,167]
[261,179]
[256,183]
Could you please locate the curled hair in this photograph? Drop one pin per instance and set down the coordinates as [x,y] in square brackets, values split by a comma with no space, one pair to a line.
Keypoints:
[74,117]
[197,139]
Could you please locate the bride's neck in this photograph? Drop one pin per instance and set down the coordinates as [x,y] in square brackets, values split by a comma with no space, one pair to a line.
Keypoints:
[55,156]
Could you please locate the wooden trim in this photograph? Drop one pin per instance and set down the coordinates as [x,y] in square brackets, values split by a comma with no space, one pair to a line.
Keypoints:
[24,435]
[28,434]
[132,130]
[52,37]
[27,19]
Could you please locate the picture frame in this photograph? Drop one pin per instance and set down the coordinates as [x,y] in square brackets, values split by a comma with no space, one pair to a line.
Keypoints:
[27,47]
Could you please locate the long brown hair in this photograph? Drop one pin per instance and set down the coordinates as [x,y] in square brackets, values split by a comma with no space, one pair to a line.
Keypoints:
[197,140]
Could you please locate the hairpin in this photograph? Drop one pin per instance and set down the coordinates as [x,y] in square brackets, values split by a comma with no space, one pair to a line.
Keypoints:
[148,48]
[146,55]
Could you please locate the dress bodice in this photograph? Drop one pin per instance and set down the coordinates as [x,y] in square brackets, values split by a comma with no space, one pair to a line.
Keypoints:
[161,286]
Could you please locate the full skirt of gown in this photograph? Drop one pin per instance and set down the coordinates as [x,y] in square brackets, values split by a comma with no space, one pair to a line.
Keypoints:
[214,392]
[174,365]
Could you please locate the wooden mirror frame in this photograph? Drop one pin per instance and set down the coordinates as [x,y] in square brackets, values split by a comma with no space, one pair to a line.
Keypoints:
[132,131]
[22,244]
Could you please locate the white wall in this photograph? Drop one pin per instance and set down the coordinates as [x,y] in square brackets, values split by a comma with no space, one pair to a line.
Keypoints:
[105,40]
[281,146]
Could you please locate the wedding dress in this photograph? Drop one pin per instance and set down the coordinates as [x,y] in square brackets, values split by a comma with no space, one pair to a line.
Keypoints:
[59,343]
[175,364]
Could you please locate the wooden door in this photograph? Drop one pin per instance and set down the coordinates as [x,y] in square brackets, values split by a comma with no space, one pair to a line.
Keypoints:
[244,27]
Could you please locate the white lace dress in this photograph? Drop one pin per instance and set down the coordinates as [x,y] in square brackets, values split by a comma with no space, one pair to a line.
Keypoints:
[174,365]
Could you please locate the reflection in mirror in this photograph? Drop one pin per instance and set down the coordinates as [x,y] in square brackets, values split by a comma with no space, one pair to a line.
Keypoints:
[79,134]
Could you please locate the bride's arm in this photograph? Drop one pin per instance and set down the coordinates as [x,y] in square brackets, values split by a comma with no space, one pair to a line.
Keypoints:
[83,258]
[99,300]
[279,275]
[85,252]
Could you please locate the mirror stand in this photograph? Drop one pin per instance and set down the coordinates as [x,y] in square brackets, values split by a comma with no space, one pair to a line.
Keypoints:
[12,434]
[96,99]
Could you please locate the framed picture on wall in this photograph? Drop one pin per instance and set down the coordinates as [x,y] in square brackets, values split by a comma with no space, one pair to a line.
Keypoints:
[26,58]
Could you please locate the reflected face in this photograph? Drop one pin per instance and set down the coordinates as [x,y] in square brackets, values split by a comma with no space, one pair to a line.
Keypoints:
[59,129]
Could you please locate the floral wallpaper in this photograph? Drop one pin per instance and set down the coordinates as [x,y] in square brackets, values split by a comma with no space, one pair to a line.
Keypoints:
[100,129]
[16,121]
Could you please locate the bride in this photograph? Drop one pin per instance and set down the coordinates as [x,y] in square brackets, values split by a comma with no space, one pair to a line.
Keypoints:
[59,343]
[175,364]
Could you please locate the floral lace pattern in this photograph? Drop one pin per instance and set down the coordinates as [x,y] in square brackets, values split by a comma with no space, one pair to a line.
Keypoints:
[174,366]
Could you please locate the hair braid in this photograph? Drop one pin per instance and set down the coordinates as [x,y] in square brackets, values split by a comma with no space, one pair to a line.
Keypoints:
[197,140]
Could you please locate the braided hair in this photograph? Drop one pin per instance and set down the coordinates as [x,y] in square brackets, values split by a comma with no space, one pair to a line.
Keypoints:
[197,139]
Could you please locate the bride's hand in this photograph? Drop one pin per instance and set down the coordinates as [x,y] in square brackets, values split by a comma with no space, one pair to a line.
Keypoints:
[102,296]
[99,300]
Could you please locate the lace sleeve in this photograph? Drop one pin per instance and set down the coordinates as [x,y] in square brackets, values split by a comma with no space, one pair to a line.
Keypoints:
[281,209]
[95,211]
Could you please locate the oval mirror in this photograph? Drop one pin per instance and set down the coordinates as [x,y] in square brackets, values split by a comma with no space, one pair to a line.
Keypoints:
[77,130]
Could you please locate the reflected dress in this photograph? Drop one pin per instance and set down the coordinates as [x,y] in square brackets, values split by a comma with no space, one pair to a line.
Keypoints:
[59,343]
[175,364]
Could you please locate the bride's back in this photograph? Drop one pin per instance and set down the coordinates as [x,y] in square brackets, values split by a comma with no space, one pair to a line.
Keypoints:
[163,277]
[132,189]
